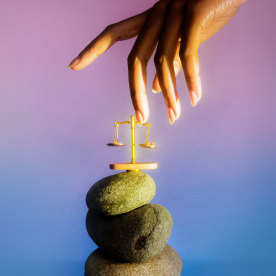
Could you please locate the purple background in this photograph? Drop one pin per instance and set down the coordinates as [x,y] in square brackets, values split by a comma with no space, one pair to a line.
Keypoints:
[216,164]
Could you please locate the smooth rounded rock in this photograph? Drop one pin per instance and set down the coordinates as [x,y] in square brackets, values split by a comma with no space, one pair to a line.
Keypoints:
[120,193]
[168,263]
[133,237]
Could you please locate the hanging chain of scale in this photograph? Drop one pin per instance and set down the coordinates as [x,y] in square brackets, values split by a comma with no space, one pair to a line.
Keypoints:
[133,165]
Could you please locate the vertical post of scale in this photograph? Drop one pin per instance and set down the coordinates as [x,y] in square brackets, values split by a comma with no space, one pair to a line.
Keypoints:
[132,127]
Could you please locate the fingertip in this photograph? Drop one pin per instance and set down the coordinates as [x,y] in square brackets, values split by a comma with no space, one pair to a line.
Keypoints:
[139,117]
[194,98]
[74,63]
[195,91]
[155,85]
[172,116]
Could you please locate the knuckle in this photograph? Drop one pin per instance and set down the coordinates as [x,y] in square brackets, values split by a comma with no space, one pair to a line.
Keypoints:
[109,28]
[186,53]
[137,57]
[160,60]
[191,78]
[132,59]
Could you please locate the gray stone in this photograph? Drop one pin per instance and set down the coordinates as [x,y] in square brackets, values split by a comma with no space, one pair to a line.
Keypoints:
[133,237]
[120,193]
[168,263]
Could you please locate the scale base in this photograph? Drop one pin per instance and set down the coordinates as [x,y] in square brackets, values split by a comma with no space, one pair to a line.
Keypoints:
[134,167]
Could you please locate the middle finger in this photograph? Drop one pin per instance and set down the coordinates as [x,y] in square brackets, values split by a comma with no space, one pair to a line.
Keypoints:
[139,57]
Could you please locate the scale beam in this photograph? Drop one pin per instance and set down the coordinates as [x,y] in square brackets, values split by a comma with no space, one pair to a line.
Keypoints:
[133,165]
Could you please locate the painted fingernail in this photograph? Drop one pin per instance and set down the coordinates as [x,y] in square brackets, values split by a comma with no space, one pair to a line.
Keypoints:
[139,117]
[194,98]
[74,62]
[171,115]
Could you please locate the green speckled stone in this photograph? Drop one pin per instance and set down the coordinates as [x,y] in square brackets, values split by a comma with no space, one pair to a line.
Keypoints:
[120,193]
[136,236]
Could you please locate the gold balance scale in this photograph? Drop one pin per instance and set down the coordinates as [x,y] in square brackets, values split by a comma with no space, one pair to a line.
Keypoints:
[133,165]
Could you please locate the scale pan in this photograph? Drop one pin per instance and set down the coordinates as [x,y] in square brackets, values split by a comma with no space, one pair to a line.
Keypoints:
[115,144]
[149,146]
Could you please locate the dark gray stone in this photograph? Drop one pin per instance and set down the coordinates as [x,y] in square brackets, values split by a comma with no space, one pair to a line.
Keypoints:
[167,263]
[133,237]
[120,193]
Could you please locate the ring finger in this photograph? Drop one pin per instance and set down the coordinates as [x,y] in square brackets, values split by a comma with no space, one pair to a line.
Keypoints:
[164,57]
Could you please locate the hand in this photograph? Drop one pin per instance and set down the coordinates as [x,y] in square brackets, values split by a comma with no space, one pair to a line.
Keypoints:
[177,28]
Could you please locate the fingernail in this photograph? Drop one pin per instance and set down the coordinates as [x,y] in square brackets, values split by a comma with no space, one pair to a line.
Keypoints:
[74,62]
[194,98]
[139,117]
[155,91]
[155,85]
[171,115]
[178,108]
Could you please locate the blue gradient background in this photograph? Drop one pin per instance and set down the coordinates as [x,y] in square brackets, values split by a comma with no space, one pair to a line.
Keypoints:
[216,164]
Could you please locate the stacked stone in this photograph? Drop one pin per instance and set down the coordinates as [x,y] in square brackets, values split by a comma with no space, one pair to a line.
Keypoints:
[131,234]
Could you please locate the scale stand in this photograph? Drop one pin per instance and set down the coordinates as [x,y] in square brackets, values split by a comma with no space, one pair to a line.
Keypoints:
[133,165]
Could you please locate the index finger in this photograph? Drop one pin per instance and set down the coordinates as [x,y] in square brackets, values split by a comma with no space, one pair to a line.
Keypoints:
[122,30]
